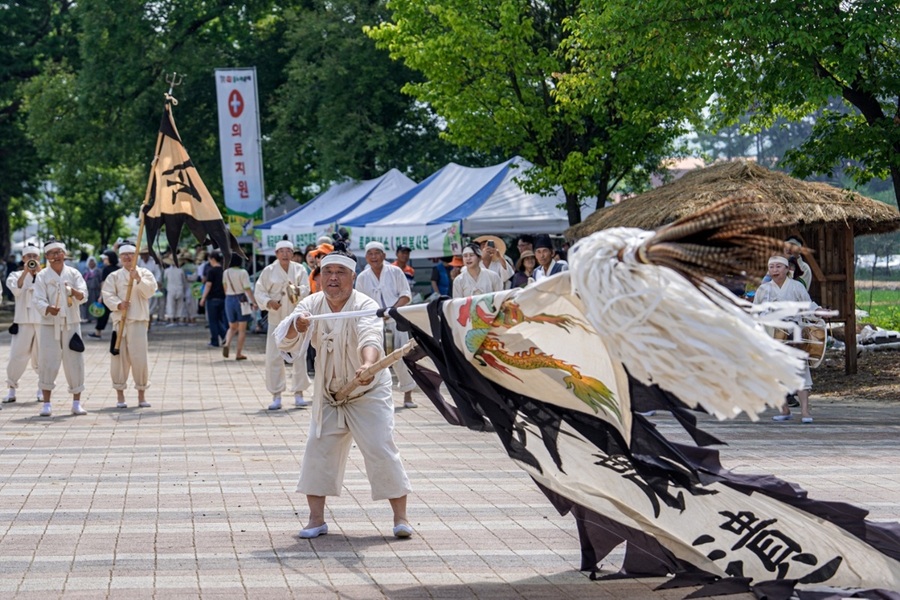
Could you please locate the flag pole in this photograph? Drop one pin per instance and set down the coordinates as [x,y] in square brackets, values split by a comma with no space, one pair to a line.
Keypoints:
[173,81]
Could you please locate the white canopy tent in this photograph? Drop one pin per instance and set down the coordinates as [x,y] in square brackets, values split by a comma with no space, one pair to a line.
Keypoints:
[432,217]
[319,216]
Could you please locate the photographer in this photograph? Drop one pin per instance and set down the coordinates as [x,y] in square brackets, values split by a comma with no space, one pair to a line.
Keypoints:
[24,330]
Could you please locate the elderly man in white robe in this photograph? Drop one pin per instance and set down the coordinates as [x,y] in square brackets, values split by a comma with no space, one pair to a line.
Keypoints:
[23,347]
[387,285]
[344,349]
[782,288]
[135,310]
[275,288]
[59,291]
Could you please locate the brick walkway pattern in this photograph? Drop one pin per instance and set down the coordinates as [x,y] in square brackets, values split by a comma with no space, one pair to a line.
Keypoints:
[194,497]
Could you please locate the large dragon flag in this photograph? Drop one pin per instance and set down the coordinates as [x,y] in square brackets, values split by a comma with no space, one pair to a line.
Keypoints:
[177,196]
[561,369]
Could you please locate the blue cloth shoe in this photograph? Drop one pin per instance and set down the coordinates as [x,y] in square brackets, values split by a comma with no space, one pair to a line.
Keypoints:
[806,420]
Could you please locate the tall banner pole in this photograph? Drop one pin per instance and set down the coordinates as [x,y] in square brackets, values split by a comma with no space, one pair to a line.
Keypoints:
[117,342]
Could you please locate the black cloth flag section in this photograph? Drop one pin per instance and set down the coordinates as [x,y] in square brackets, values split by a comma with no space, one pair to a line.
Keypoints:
[178,197]
[528,365]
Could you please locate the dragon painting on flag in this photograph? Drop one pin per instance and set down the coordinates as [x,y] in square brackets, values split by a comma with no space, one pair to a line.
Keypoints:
[562,369]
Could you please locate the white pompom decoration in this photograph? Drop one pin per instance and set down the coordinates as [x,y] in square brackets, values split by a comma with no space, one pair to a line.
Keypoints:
[705,349]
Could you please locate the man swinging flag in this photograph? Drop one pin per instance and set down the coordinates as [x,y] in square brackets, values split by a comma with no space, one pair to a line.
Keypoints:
[176,196]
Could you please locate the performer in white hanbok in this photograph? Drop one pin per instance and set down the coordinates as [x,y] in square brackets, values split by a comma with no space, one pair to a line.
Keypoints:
[345,348]
[387,285]
[782,288]
[26,320]
[132,354]
[474,279]
[58,292]
[279,287]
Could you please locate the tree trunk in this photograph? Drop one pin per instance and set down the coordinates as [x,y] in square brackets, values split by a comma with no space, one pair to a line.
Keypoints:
[573,208]
[5,234]
[895,177]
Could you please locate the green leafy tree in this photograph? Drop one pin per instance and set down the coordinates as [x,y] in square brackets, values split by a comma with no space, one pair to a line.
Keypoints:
[509,74]
[788,59]
[31,33]
[341,113]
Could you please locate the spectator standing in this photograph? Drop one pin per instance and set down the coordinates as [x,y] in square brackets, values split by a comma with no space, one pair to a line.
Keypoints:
[440,276]
[402,263]
[237,290]
[176,289]
[474,280]
[493,258]
[157,302]
[213,299]
[543,251]
[525,242]
[387,286]
[92,277]
[110,265]
[525,268]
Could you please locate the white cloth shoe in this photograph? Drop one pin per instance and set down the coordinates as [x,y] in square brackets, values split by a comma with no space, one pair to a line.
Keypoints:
[313,532]
[78,411]
[121,405]
[300,401]
[143,404]
[46,411]
[276,403]
[403,531]
[11,397]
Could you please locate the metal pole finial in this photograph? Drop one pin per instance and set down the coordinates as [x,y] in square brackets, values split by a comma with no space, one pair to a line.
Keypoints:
[174,81]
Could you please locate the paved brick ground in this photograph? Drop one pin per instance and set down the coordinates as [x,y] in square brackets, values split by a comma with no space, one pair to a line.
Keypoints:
[194,497]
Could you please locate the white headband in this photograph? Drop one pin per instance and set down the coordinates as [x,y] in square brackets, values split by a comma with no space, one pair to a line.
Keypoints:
[340,259]
[780,260]
[374,246]
[127,249]
[54,246]
[468,250]
[30,250]
[284,244]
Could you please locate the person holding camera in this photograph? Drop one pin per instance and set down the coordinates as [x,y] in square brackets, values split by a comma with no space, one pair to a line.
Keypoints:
[493,258]
[59,291]
[26,319]
[134,309]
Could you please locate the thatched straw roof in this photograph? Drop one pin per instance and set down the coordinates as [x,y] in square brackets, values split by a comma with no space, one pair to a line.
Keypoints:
[787,200]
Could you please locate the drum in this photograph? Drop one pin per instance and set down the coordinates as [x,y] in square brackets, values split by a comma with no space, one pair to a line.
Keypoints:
[813,340]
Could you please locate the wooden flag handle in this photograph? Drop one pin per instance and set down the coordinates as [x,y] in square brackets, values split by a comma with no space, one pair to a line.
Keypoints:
[341,396]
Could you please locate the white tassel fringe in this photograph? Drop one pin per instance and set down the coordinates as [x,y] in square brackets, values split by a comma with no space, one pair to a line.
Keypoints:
[708,353]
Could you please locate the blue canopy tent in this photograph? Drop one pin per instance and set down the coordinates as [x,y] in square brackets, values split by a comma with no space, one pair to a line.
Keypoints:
[432,217]
[319,216]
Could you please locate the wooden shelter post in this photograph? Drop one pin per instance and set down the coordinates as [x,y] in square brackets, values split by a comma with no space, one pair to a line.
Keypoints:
[849,307]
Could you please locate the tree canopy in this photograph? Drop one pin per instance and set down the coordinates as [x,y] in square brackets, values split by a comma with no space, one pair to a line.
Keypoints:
[498,73]
[783,59]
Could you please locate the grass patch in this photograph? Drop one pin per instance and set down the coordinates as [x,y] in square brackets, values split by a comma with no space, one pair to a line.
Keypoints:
[883,307]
